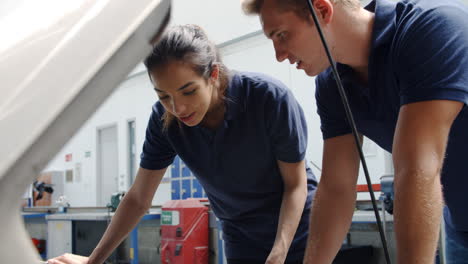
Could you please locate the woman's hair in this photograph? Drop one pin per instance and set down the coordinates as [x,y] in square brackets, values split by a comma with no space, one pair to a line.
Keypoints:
[188,44]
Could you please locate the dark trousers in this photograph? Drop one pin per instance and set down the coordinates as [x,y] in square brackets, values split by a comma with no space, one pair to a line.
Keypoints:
[456,251]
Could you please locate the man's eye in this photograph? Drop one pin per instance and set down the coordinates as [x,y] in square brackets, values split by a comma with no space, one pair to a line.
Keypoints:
[162,98]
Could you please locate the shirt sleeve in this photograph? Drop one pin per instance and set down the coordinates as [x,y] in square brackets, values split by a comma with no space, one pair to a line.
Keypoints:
[332,114]
[432,57]
[286,125]
[157,152]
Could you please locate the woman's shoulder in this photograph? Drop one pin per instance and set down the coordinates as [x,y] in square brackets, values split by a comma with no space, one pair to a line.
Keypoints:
[259,84]
[158,109]
[157,114]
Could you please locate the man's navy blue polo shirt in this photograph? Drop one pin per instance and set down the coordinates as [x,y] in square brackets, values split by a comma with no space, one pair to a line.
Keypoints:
[419,52]
[237,163]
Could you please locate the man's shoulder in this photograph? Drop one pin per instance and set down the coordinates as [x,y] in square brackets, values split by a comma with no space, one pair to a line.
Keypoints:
[421,6]
[325,79]
[429,13]
[430,29]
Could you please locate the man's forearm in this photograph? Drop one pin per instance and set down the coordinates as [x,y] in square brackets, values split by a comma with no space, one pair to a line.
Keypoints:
[418,209]
[330,220]
[291,210]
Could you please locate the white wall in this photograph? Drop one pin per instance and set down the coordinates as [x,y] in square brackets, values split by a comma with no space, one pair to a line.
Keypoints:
[222,19]
[244,48]
[131,101]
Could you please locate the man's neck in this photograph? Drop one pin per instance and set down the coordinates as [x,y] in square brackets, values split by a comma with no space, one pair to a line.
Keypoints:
[354,40]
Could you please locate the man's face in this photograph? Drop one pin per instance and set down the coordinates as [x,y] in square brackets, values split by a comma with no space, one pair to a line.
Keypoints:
[294,38]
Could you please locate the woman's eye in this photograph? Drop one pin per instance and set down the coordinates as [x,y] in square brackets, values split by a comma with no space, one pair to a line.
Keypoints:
[162,98]
[190,92]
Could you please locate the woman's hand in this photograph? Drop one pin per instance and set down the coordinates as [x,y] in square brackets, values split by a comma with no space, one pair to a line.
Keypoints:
[68,259]
[276,257]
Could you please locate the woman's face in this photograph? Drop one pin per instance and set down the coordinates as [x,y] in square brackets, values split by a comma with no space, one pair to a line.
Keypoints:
[183,93]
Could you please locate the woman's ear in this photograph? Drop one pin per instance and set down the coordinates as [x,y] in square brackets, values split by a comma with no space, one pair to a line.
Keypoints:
[215,72]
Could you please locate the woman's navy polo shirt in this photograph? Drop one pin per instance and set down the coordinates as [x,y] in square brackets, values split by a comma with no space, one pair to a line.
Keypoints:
[419,52]
[237,163]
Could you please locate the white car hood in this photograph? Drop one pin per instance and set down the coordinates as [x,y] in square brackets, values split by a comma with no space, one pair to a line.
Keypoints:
[59,60]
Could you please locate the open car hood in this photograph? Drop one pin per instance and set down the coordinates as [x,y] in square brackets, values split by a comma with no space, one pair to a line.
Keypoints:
[59,60]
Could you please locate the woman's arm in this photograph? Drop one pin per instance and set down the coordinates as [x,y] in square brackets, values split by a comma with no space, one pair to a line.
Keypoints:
[133,206]
[294,197]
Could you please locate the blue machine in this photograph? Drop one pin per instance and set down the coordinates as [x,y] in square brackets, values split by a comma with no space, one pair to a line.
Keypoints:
[387,195]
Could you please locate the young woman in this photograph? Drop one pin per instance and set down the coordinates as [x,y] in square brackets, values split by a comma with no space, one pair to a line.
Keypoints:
[244,137]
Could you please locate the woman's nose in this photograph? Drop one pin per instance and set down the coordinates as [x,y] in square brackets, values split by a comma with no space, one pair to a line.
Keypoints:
[178,107]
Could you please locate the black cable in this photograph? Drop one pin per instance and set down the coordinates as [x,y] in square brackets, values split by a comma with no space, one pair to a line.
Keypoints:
[351,122]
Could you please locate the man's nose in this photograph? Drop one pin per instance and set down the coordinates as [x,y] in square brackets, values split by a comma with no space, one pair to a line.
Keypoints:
[281,53]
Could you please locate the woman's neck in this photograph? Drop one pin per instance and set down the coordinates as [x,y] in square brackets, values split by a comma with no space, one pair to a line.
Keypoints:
[214,117]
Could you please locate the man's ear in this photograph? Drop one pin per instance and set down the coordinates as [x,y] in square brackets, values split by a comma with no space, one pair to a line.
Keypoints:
[324,10]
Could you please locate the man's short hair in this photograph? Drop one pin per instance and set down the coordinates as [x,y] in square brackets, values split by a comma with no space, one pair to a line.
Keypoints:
[253,7]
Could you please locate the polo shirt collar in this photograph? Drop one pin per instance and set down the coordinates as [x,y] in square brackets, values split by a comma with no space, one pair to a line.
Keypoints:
[383,30]
[235,102]
[384,23]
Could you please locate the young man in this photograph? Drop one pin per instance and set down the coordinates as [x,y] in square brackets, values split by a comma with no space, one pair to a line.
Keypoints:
[404,66]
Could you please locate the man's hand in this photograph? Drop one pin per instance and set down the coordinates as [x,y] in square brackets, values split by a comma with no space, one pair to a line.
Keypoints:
[68,259]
